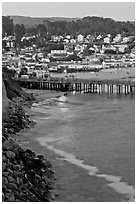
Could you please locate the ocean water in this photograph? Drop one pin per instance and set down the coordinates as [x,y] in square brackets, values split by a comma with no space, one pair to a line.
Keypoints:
[96,133]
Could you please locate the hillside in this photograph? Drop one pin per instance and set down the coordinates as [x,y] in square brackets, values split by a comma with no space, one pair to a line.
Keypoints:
[31,21]
[92,25]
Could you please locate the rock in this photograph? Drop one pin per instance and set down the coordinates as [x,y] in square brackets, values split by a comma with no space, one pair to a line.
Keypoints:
[31,176]
[3,197]
[37,178]
[17,200]
[4,181]
[36,163]
[24,186]
[23,171]
[33,198]
[39,156]
[56,193]
[11,179]
[16,174]
[19,181]
[10,154]
[24,196]
[7,145]
[12,186]
[10,197]
[17,167]
[30,152]
[41,187]
[9,165]
[52,196]
[4,158]
[47,163]
[3,166]
[53,172]
[4,173]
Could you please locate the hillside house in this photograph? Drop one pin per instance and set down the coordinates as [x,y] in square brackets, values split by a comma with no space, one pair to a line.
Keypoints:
[80,38]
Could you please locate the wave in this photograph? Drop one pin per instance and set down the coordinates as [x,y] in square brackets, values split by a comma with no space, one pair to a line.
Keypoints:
[116,183]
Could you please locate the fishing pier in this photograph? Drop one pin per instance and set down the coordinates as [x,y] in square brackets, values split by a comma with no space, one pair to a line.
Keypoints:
[81,85]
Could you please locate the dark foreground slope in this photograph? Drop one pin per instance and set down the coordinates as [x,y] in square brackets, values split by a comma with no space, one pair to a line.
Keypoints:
[26,177]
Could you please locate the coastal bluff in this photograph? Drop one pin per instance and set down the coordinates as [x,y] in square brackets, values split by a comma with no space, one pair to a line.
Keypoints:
[5,102]
[26,176]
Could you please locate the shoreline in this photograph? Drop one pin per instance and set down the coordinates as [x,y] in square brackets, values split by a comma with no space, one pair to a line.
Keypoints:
[61,165]
[26,175]
[67,173]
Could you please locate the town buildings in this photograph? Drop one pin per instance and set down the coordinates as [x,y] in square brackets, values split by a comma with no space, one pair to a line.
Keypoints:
[81,53]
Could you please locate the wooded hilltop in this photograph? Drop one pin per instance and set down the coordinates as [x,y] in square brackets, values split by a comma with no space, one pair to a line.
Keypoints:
[84,26]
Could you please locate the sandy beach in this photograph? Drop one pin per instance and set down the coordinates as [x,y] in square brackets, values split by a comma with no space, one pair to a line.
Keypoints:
[111,74]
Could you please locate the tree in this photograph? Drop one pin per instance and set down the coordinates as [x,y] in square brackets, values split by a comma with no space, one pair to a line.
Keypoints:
[41,30]
[19,31]
[7,25]
[23,30]
[89,25]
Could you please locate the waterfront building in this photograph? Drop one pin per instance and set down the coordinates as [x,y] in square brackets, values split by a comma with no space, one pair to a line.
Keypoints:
[99,37]
[125,39]
[80,38]
[72,40]
[107,40]
[117,38]
[66,40]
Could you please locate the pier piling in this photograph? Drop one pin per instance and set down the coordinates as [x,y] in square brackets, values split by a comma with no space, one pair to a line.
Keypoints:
[86,86]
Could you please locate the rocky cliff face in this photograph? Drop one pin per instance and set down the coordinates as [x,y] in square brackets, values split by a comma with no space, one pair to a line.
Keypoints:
[26,177]
[13,88]
[5,103]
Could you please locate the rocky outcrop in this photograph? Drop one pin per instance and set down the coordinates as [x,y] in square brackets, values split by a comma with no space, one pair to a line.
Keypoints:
[13,88]
[5,103]
[26,177]
[17,119]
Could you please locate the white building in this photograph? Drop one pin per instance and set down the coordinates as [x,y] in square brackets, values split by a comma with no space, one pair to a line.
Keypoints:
[125,39]
[55,38]
[66,40]
[99,37]
[58,51]
[72,41]
[117,38]
[122,48]
[80,38]
[109,35]
[80,47]
[68,37]
[106,40]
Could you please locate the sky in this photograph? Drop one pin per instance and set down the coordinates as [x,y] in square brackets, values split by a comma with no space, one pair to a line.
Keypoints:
[123,11]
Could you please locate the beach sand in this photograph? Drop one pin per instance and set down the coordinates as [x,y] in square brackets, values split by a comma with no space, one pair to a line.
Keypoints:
[105,74]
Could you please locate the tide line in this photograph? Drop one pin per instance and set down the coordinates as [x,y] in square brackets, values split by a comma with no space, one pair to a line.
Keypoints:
[116,183]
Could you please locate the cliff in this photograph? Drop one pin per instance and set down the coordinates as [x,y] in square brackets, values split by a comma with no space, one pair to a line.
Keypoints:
[26,177]
[5,103]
